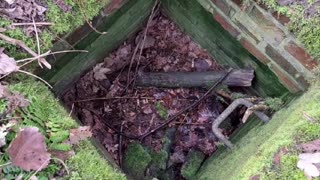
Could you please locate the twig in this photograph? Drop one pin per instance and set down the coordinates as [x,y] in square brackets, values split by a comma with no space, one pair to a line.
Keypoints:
[37,38]
[5,164]
[120,145]
[185,109]
[38,169]
[144,38]
[112,128]
[87,19]
[50,53]
[141,45]
[36,23]
[35,76]
[93,99]
[72,107]
[20,44]
[64,165]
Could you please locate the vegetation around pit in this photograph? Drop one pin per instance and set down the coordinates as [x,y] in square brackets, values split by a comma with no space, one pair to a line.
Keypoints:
[46,113]
[63,23]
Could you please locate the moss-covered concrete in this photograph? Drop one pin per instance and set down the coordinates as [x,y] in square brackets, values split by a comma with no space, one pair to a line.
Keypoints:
[192,165]
[136,161]
[253,152]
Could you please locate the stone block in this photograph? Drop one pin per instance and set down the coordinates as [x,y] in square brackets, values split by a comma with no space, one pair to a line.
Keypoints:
[281,61]
[285,79]
[266,24]
[254,51]
[301,55]
[226,25]
[244,28]
[223,6]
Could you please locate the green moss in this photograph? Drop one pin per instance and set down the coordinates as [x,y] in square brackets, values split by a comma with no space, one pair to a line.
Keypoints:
[253,152]
[192,165]
[68,21]
[88,164]
[287,169]
[161,110]
[136,160]
[64,22]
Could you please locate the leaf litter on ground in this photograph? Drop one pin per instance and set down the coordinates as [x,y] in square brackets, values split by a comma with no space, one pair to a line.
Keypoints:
[166,49]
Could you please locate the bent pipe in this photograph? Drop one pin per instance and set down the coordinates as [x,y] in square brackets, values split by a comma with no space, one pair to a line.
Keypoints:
[216,131]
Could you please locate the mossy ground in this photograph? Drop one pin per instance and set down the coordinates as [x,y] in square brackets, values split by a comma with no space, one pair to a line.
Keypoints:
[253,153]
[64,22]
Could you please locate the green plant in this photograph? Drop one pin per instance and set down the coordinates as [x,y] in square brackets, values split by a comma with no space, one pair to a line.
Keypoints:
[161,110]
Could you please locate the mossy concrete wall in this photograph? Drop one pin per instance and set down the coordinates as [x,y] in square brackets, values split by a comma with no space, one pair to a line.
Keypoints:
[266,38]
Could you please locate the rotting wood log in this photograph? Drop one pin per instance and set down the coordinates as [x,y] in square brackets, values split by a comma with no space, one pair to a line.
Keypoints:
[240,77]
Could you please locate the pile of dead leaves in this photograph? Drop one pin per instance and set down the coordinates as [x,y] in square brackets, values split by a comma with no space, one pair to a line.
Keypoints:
[309,160]
[22,10]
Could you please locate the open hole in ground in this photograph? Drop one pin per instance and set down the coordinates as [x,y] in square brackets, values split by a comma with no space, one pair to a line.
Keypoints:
[112,99]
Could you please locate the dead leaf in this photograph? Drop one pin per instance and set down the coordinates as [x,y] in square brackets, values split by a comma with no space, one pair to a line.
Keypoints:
[4,92]
[308,168]
[7,64]
[79,134]
[310,147]
[62,5]
[28,150]
[16,101]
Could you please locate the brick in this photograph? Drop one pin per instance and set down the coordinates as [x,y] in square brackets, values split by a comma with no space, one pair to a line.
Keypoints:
[281,18]
[226,25]
[244,29]
[270,29]
[254,51]
[113,6]
[238,2]
[222,5]
[280,60]
[301,55]
[285,79]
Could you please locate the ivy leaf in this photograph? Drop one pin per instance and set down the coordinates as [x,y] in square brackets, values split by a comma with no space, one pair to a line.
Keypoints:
[28,150]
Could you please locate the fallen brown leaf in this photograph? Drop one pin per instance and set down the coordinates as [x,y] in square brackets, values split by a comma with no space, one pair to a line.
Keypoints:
[28,150]
[7,64]
[310,147]
[79,134]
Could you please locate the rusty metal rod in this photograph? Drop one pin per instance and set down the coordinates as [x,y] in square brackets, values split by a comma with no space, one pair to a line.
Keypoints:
[215,125]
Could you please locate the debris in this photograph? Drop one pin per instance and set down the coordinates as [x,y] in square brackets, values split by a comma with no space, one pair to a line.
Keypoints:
[242,77]
[307,162]
[24,10]
[79,134]
[310,147]
[62,5]
[16,101]
[28,150]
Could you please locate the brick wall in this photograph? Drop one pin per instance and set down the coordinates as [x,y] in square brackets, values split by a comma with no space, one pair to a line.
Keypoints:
[265,36]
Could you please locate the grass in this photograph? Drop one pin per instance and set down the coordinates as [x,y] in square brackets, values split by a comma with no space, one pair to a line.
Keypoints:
[254,152]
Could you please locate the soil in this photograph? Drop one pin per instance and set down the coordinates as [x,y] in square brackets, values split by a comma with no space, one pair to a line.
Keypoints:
[106,96]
